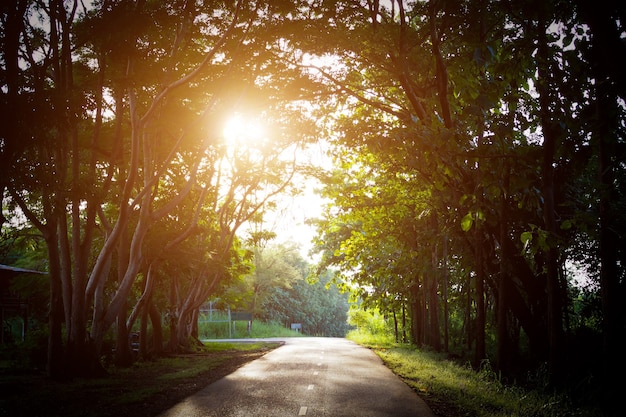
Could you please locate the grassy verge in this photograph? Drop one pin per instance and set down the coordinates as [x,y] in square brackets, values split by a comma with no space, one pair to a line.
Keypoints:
[451,389]
[146,389]
[259,330]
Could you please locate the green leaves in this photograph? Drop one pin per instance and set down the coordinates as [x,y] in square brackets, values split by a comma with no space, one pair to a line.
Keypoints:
[470,218]
[536,239]
[466,222]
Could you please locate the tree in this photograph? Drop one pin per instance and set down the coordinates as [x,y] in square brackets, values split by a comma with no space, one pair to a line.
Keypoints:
[491,129]
[311,300]
[125,142]
[480,104]
[606,115]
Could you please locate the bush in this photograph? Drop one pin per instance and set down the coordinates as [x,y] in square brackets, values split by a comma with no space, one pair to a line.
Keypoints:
[371,328]
[29,354]
[370,321]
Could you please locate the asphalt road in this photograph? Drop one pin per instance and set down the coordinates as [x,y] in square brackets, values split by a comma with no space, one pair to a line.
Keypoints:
[308,377]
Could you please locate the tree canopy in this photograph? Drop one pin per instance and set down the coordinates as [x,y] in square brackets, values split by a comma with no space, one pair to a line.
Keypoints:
[478,165]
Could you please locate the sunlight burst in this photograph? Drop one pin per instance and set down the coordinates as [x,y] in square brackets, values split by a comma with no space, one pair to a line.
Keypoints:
[239,130]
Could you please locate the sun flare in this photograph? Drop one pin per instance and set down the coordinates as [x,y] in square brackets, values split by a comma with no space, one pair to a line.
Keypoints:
[239,130]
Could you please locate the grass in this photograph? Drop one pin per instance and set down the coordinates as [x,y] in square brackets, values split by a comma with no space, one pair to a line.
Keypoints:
[145,389]
[259,330]
[453,389]
[242,347]
[181,370]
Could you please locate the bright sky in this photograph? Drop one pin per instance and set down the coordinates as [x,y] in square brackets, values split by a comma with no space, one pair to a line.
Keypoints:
[293,212]
[289,220]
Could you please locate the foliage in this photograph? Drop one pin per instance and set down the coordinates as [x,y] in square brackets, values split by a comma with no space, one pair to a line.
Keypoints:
[318,305]
[467,139]
[369,322]
[478,151]
[281,289]
[371,328]
[125,172]
[28,354]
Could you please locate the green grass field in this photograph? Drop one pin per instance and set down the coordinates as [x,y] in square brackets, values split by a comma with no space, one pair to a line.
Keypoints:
[259,330]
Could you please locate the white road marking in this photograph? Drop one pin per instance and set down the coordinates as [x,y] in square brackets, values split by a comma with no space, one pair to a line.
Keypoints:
[310,387]
[319,364]
[302,411]
[316,373]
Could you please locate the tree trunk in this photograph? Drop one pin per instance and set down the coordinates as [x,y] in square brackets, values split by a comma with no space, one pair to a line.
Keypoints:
[123,353]
[11,132]
[172,344]
[143,333]
[441,71]
[395,325]
[446,334]
[157,330]
[56,358]
[606,41]
[416,312]
[435,331]
[404,339]
[131,270]
[503,353]
[188,310]
[550,139]
[467,323]
[183,330]
[479,325]
[433,304]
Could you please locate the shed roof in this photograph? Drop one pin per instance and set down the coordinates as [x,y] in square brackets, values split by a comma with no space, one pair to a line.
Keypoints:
[17,270]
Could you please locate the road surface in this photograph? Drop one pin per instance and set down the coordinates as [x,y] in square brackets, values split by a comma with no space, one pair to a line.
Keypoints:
[307,377]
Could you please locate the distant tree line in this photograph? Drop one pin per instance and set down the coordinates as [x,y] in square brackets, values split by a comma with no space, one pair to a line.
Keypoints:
[319,306]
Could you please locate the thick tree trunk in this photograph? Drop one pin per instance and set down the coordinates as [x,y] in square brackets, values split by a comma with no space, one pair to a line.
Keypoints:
[183,329]
[606,42]
[123,353]
[194,323]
